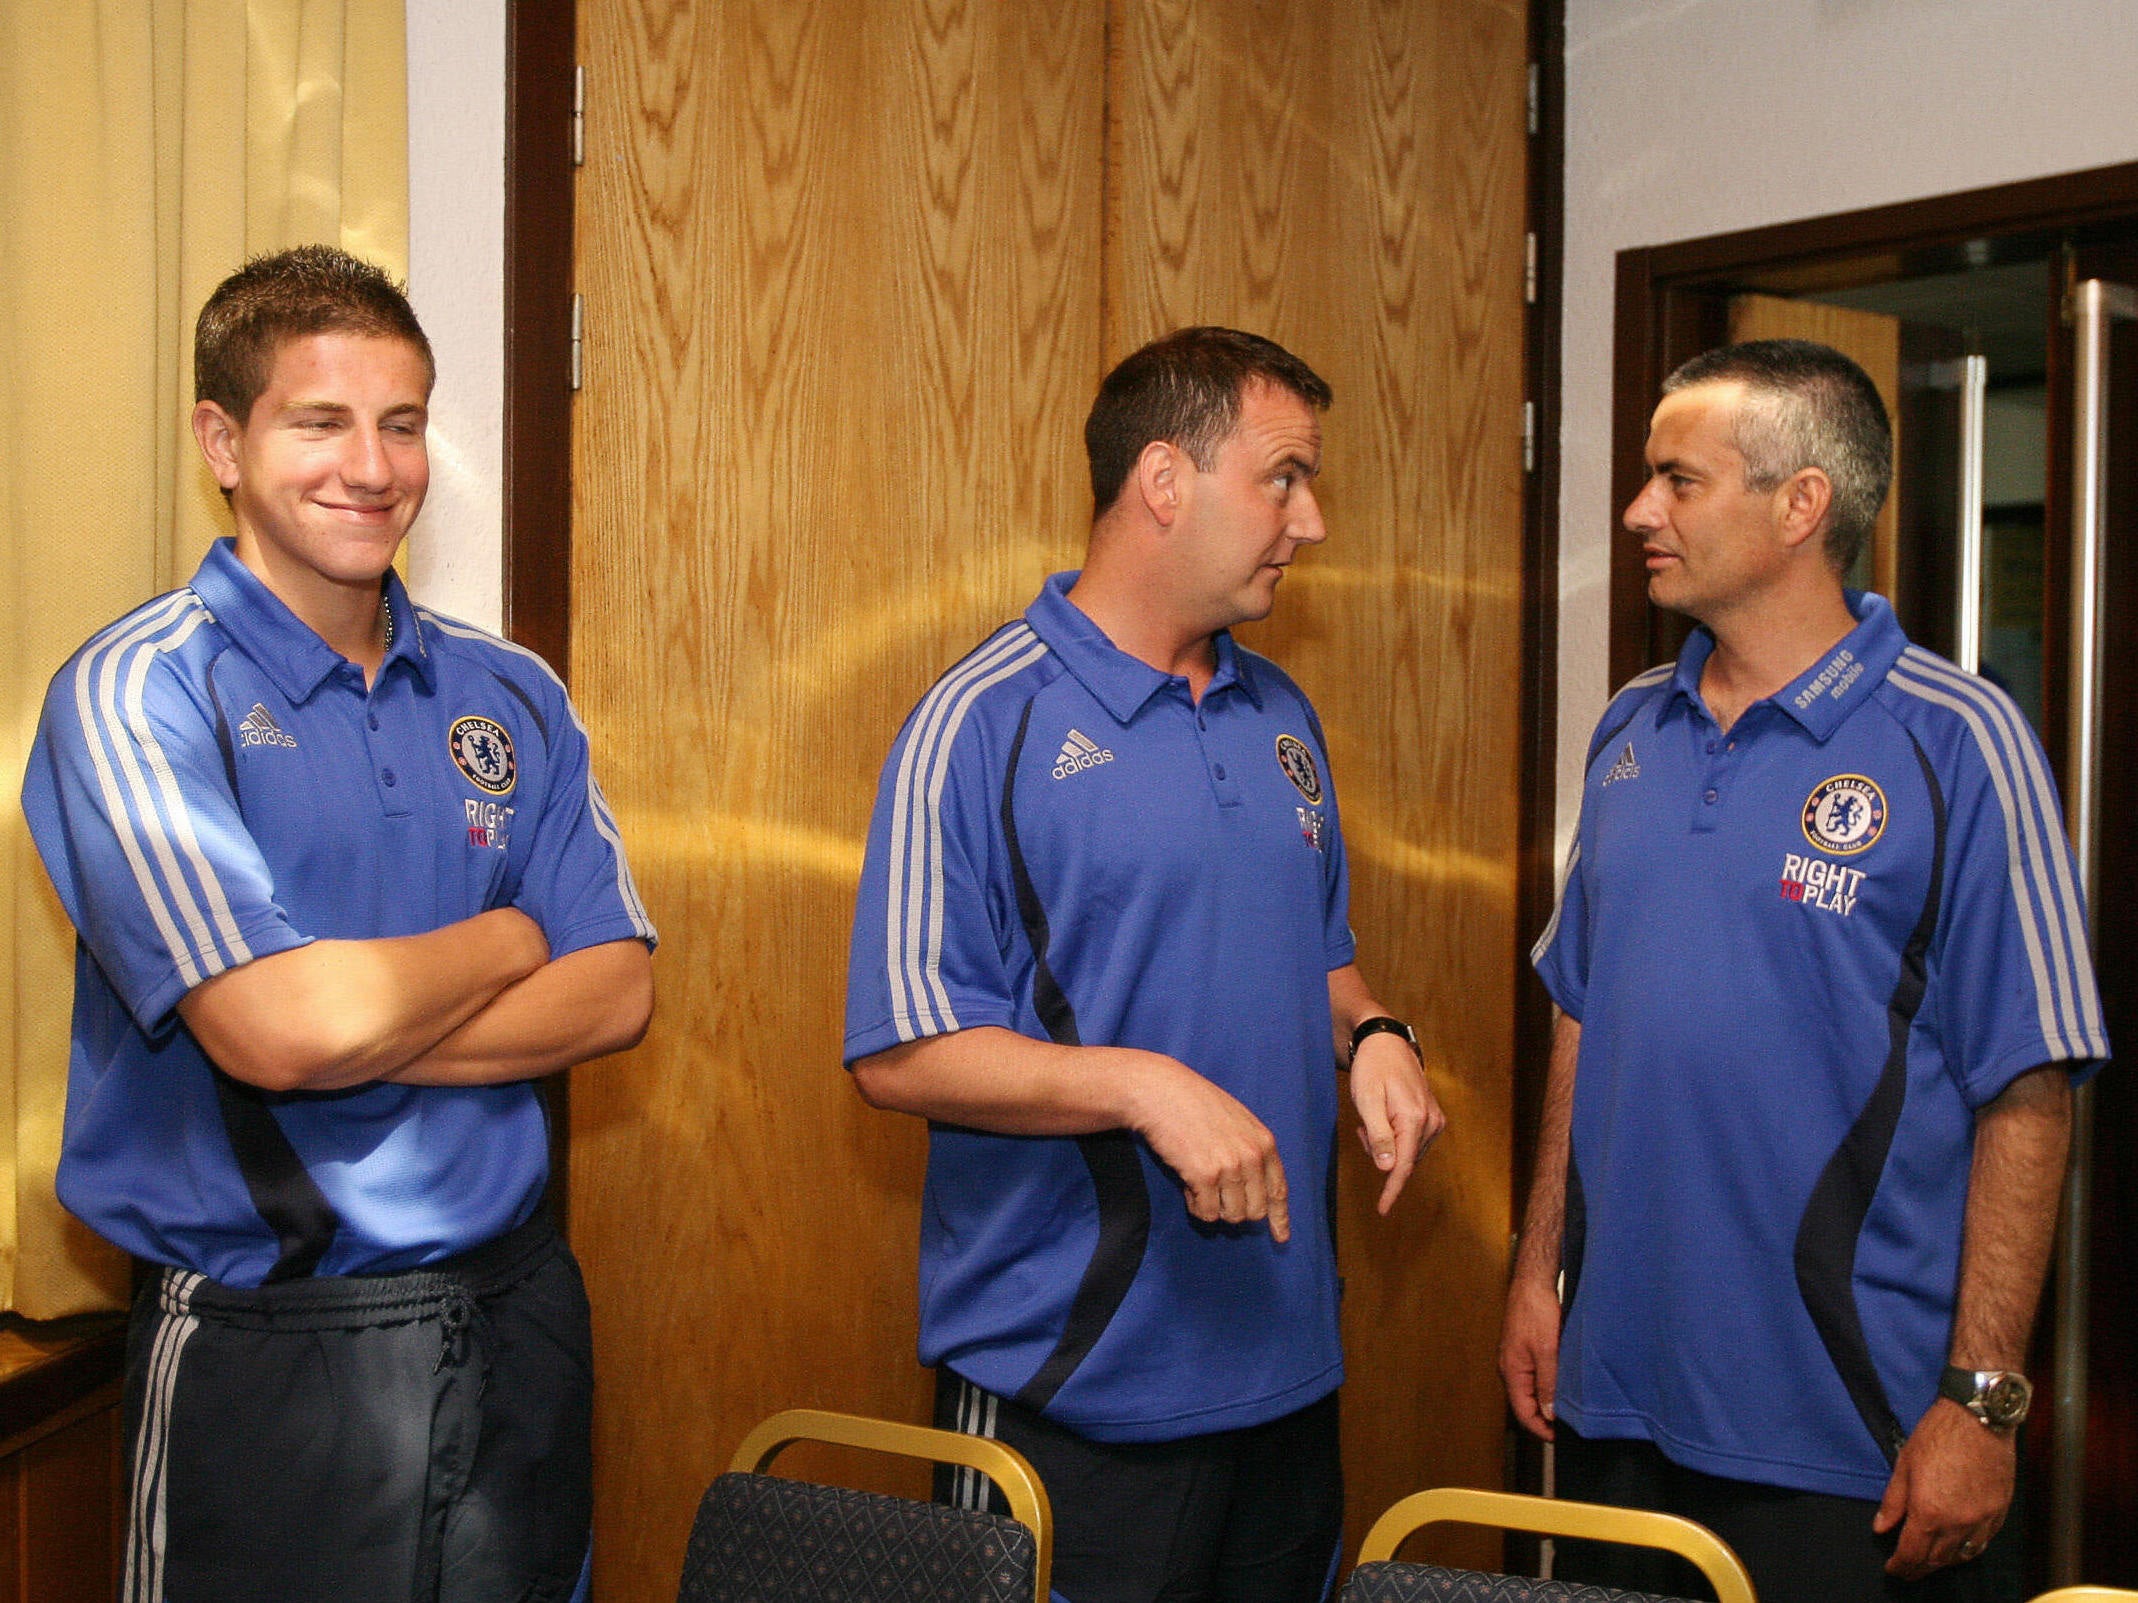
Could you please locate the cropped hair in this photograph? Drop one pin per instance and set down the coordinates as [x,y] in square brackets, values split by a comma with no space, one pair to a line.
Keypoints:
[290,295]
[1184,389]
[1806,405]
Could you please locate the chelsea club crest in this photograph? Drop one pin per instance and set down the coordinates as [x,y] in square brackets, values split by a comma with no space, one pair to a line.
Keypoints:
[1845,814]
[482,751]
[1298,765]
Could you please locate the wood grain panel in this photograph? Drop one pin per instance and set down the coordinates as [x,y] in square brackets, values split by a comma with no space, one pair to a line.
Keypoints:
[67,1487]
[852,270]
[841,269]
[1347,177]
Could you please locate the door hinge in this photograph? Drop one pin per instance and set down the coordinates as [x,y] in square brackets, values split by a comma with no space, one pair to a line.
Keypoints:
[578,341]
[1529,436]
[1529,268]
[1536,98]
[579,116]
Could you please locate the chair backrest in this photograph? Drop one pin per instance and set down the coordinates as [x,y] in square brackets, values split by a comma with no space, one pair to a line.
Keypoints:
[1552,1516]
[764,1537]
[2088,1594]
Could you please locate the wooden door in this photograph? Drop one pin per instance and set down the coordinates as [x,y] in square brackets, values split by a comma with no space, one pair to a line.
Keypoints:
[852,272]
[1346,177]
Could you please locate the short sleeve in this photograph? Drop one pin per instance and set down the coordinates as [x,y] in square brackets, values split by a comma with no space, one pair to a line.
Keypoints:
[926,957]
[2015,981]
[1561,955]
[577,883]
[131,806]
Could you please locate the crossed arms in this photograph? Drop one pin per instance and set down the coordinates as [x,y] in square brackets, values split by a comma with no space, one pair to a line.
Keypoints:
[990,1078]
[474,1003]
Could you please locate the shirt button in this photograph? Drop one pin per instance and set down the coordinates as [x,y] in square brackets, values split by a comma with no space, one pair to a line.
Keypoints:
[387,775]
[374,720]
[1710,744]
[1219,770]
[1711,795]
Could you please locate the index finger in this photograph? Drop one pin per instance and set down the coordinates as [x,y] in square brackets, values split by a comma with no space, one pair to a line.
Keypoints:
[1406,1161]
[1280,1206]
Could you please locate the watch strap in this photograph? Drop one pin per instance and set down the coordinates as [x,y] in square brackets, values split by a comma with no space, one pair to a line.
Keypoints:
[1383,1024]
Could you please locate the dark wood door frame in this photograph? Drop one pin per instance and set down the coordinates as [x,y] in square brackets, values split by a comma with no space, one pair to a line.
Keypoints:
[1670,307]
[541,42]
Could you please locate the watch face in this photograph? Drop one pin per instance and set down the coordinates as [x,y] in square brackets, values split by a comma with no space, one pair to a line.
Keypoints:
[2005,1399]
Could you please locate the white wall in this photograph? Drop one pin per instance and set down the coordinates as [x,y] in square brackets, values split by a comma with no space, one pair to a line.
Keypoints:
[1694,117]
[456,268]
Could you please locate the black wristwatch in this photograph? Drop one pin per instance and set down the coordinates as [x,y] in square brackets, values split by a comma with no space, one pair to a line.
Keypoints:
[1998,1397]
[1380,1024]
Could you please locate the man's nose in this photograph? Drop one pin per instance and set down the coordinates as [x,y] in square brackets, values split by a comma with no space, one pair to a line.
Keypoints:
[365,463]
[1305,525]
[1644,511]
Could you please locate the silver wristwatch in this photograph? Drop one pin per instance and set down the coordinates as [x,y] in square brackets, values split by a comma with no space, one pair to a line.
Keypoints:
[1998,1397]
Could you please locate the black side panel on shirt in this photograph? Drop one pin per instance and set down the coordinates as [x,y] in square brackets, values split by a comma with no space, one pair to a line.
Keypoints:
[1573,1236]
[301,1218]
[1116,1167]
[1833,1219]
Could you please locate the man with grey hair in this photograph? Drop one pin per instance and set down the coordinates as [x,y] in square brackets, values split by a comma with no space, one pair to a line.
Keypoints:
[1796,1183]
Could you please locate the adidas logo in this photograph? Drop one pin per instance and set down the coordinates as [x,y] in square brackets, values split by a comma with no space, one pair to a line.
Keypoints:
[258,728]
[1079,752]
[1626,767]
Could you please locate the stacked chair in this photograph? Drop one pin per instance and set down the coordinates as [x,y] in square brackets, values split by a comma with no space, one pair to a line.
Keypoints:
[1379,1578]
[761,1538]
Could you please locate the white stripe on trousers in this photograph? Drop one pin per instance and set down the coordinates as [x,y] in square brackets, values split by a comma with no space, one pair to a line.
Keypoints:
[145,1531]
[977,1410]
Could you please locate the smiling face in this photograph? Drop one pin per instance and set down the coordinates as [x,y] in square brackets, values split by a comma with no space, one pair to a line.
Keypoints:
[330,468]
[1710,544]
[1250,513]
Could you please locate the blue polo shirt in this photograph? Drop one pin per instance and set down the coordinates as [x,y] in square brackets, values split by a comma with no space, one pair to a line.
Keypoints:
[1067,845]
[212,783]
[1803,955]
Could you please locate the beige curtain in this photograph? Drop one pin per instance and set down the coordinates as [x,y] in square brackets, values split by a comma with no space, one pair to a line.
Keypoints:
[147,147]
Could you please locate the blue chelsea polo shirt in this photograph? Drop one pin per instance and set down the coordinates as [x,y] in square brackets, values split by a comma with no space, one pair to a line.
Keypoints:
[1803,954]
[212,783]
[1067,845]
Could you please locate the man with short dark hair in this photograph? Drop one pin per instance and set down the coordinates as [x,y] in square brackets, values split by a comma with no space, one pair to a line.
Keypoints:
[1823,984]
[1101,945]
[344,887]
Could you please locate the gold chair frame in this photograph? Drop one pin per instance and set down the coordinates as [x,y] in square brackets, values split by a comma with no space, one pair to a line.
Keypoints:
[1552,1516]
[1005,1466]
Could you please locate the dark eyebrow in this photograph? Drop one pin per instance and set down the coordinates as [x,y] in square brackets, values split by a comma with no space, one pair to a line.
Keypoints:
[1300,465]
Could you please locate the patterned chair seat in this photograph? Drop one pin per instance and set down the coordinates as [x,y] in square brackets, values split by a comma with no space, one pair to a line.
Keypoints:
[1392,1582]
[763,1539]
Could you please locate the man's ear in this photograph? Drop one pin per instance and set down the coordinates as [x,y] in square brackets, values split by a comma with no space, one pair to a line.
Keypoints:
[1804,502]
[1161,479]
[218,437]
